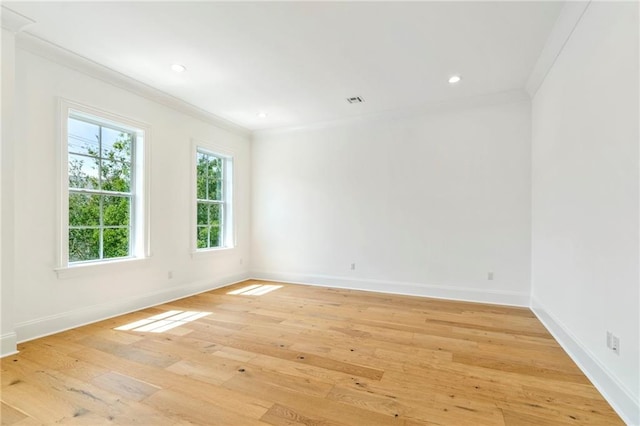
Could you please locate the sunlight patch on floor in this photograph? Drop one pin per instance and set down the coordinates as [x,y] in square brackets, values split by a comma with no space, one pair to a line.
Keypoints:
[163,322]
[255,290]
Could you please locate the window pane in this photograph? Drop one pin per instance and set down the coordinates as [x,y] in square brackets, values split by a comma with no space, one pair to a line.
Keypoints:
[203,214]
[115,242]
[83,137]
[84,210]
[116,176]
[116,210]
[201,176]
[83,172]
[116,145]
[214,236]
[215,169]
[214,214]
[215,189]
[214,178]
[84,244]
[203,236]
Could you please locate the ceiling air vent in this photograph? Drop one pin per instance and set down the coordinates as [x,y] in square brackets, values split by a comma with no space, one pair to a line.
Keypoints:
[355,100]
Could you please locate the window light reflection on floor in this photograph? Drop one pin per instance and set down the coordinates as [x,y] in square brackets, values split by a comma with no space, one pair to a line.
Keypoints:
[255,290]
[163,322]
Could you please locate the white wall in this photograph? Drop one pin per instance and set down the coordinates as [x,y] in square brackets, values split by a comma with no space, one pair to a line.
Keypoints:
[585,200]
[427,204]
[45,303]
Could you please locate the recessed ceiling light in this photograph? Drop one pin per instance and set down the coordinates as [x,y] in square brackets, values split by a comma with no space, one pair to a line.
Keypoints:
[262,115]
[178,68]
[454,79]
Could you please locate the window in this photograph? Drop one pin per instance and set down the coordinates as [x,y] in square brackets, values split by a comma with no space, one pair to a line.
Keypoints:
[213,200]
[103,214]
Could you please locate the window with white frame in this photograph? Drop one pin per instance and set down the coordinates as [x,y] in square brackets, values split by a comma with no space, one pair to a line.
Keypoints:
[104,214]
[213,200]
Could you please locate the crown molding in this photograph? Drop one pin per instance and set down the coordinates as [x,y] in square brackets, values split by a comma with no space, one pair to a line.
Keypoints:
[567,21]
[499,98]
[67,58]
[13,21]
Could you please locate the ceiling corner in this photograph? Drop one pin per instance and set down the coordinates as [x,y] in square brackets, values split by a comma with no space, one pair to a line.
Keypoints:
[567,21]
[14,21]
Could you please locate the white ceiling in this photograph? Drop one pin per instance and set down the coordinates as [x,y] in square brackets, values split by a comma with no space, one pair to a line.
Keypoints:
[299,61]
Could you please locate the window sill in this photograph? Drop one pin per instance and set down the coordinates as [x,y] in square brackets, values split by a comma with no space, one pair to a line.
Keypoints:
[104,267]
[214,252]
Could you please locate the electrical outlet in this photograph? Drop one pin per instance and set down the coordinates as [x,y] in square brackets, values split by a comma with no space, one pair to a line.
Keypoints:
[490,276]
[170,274]
[615,344]
[353,266]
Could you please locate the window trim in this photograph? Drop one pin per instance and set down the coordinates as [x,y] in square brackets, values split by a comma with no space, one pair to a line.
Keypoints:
[140,240]
[229,221]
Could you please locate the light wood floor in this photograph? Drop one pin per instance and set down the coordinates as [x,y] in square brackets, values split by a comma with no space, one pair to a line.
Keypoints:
[305,356]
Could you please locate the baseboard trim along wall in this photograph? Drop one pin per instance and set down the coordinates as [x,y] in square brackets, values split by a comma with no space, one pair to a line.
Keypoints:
[403,288]
[46,326]
[611,389]
[8,344]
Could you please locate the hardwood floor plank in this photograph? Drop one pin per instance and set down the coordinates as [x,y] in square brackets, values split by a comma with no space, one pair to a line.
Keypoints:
[520,366]
[204,372]
[522,419]
[141,356]
[279,415]
[309,406]
[302,355]
[294,383]
[185,406]
[126,386]
[301,370]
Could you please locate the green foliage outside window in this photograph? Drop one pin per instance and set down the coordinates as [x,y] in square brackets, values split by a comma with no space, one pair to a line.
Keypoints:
[99,170]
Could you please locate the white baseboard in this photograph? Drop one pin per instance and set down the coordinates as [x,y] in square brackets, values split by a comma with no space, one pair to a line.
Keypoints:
[8,344]
[405,288]
[45,326]
[611,389]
